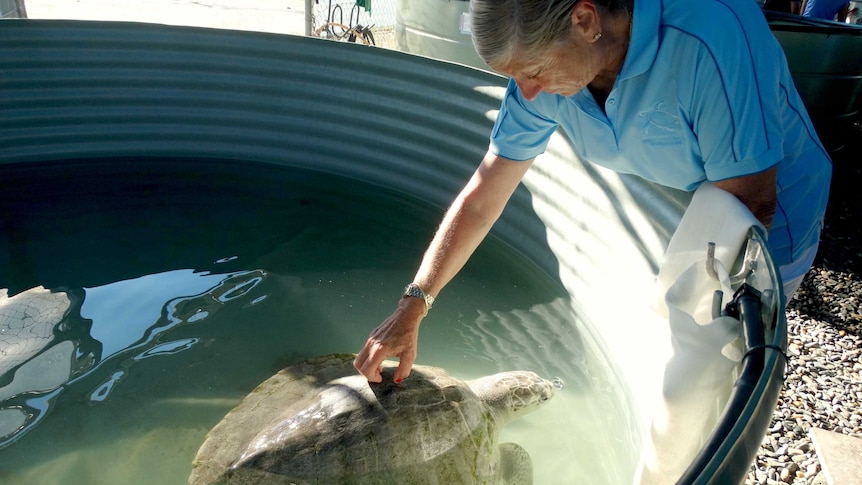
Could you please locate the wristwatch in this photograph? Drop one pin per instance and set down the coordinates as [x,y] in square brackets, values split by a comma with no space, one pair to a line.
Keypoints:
[415,291]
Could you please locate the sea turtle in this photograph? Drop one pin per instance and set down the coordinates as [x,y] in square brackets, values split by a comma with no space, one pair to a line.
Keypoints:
[319,422]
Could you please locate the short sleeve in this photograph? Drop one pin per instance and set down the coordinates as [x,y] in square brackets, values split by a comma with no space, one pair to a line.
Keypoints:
[523,128]
[736,111]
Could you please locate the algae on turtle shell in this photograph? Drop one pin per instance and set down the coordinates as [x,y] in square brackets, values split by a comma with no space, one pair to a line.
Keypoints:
[320,422]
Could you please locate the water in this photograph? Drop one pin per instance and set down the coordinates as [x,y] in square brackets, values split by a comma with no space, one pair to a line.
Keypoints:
[185,284]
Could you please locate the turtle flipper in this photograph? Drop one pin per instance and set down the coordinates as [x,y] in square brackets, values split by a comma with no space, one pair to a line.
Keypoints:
[516,467]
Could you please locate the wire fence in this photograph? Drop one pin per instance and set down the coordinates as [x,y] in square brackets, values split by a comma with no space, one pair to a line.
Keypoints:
[362,21]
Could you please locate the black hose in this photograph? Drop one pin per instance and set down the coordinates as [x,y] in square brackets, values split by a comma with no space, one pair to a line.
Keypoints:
[746,307]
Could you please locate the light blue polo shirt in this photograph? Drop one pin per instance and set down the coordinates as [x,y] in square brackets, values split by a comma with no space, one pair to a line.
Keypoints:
[704,94]
[824,9]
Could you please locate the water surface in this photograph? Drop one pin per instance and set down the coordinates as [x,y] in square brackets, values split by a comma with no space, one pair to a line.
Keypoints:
[181,285]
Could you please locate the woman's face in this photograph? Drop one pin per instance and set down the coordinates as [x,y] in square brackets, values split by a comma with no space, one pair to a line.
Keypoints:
[565,68]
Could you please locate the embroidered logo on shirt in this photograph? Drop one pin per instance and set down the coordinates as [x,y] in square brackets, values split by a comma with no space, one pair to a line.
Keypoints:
[660,126]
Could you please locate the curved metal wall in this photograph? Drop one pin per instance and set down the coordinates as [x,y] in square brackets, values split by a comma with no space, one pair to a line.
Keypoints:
[152,91]
[72,90]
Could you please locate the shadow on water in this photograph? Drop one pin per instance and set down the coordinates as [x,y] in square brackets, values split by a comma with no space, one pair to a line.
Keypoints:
[132,217]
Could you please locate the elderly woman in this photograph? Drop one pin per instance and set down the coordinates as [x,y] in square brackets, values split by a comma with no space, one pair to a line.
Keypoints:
[677,92]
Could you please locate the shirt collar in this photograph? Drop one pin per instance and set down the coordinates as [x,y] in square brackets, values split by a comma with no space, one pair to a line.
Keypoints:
[643,45]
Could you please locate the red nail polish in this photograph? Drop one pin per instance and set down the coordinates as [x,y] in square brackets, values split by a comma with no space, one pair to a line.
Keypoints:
[398,381]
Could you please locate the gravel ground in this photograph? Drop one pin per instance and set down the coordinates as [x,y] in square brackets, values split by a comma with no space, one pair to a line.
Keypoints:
[823,386]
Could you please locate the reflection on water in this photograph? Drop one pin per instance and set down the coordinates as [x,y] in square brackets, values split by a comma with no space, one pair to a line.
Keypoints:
[43,345]
[152,338]
[45,342]
[184,290]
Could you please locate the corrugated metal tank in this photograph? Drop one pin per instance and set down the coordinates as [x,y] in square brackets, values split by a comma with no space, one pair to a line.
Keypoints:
[86,90]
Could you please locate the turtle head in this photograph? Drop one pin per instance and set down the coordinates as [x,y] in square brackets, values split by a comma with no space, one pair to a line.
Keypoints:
[514,393]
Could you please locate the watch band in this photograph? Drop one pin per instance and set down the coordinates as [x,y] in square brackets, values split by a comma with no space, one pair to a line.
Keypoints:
[416,291]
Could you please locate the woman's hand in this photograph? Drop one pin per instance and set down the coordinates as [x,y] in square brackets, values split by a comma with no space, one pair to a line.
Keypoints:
[466,223]
[397,336]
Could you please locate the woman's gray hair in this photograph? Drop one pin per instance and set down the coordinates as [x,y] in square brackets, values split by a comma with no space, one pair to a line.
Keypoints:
[500,27]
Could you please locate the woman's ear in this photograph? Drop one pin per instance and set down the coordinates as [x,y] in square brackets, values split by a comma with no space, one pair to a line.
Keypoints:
[586,23]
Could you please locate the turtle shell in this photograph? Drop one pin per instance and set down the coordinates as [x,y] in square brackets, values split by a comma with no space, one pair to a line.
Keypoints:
[320,422]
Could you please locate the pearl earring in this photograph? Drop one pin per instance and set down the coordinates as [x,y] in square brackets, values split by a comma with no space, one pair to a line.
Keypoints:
[597,36]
